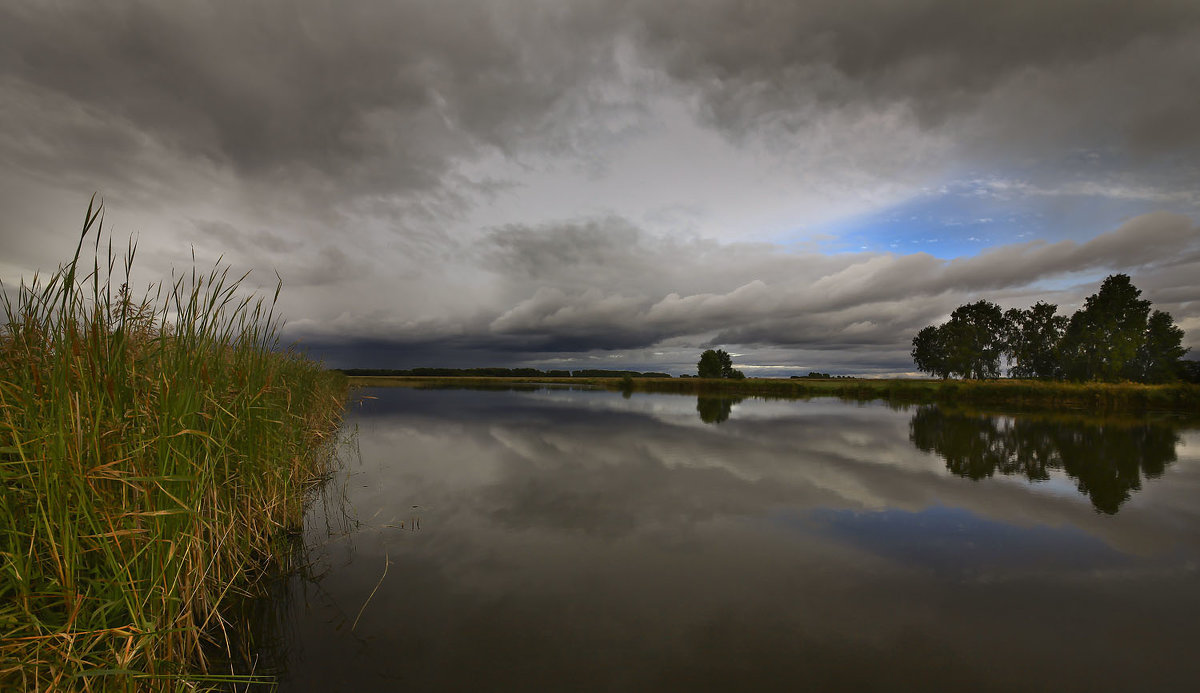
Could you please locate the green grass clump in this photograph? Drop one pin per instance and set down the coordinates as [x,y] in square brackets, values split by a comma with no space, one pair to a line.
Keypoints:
[153,452]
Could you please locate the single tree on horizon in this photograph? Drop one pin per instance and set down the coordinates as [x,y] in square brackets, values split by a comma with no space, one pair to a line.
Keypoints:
[717,364]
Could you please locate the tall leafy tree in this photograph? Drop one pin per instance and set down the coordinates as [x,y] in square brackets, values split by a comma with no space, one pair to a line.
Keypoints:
[929,352]
[1033,337]
[1159,357]
[1104,338]
[714,363]
[974,340]
[717,363]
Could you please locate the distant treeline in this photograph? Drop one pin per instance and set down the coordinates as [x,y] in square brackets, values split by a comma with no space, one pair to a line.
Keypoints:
[498,373]
[816,375]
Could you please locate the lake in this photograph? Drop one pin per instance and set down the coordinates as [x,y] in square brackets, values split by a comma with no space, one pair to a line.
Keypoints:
[551,538]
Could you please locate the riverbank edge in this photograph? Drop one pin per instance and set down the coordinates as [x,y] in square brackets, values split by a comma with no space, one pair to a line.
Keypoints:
[1104,397]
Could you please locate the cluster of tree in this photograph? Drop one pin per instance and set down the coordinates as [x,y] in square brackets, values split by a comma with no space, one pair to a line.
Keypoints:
[617,374]
[499,373]
[1115,336]
[717,364]
[815,375]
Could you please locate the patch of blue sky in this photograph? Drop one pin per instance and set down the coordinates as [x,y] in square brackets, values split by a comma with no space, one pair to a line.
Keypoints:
[963,218]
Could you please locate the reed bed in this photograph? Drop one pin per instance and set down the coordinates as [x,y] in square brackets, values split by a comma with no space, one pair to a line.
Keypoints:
[154,453]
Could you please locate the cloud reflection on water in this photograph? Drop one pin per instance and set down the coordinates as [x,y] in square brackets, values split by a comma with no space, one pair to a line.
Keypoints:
[584,540]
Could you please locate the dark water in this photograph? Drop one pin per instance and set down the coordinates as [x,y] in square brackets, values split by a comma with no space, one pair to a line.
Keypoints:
[558,540]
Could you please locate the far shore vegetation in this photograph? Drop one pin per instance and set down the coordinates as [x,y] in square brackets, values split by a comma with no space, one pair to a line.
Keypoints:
[155,454]
[1005,392]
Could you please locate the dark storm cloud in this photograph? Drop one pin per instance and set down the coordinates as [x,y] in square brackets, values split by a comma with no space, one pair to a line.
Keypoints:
[605,285]
[304,263]
[383,93]
[390,93]
[880,298]
[612,252]
[564,249]
[380,97]
[865,299]
[1102,70]
[386,96]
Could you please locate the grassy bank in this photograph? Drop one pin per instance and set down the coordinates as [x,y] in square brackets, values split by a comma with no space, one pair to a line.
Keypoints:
[1014,393]
[153,453]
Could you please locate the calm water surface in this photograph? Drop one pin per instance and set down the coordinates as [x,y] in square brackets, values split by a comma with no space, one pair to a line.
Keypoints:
[581,540]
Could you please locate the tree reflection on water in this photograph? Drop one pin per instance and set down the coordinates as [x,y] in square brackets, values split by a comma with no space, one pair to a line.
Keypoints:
[1106,458]
[715,409]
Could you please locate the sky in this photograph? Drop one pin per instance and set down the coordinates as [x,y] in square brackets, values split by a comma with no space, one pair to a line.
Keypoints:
[617,184]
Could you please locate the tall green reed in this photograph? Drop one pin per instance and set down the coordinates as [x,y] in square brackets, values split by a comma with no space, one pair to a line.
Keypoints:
[152,452]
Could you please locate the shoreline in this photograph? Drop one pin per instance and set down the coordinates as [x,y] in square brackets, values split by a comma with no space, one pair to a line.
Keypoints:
[1100,397]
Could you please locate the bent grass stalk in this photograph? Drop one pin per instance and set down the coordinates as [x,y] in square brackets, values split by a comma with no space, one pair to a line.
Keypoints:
[151,453]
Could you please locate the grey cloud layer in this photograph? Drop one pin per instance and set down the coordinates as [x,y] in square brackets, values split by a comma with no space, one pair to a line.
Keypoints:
[1101,69]
[839,301]
[390,94]
[603,284]
[383,93]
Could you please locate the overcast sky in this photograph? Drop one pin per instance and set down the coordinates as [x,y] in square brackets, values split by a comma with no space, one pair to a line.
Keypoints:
[616,183]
